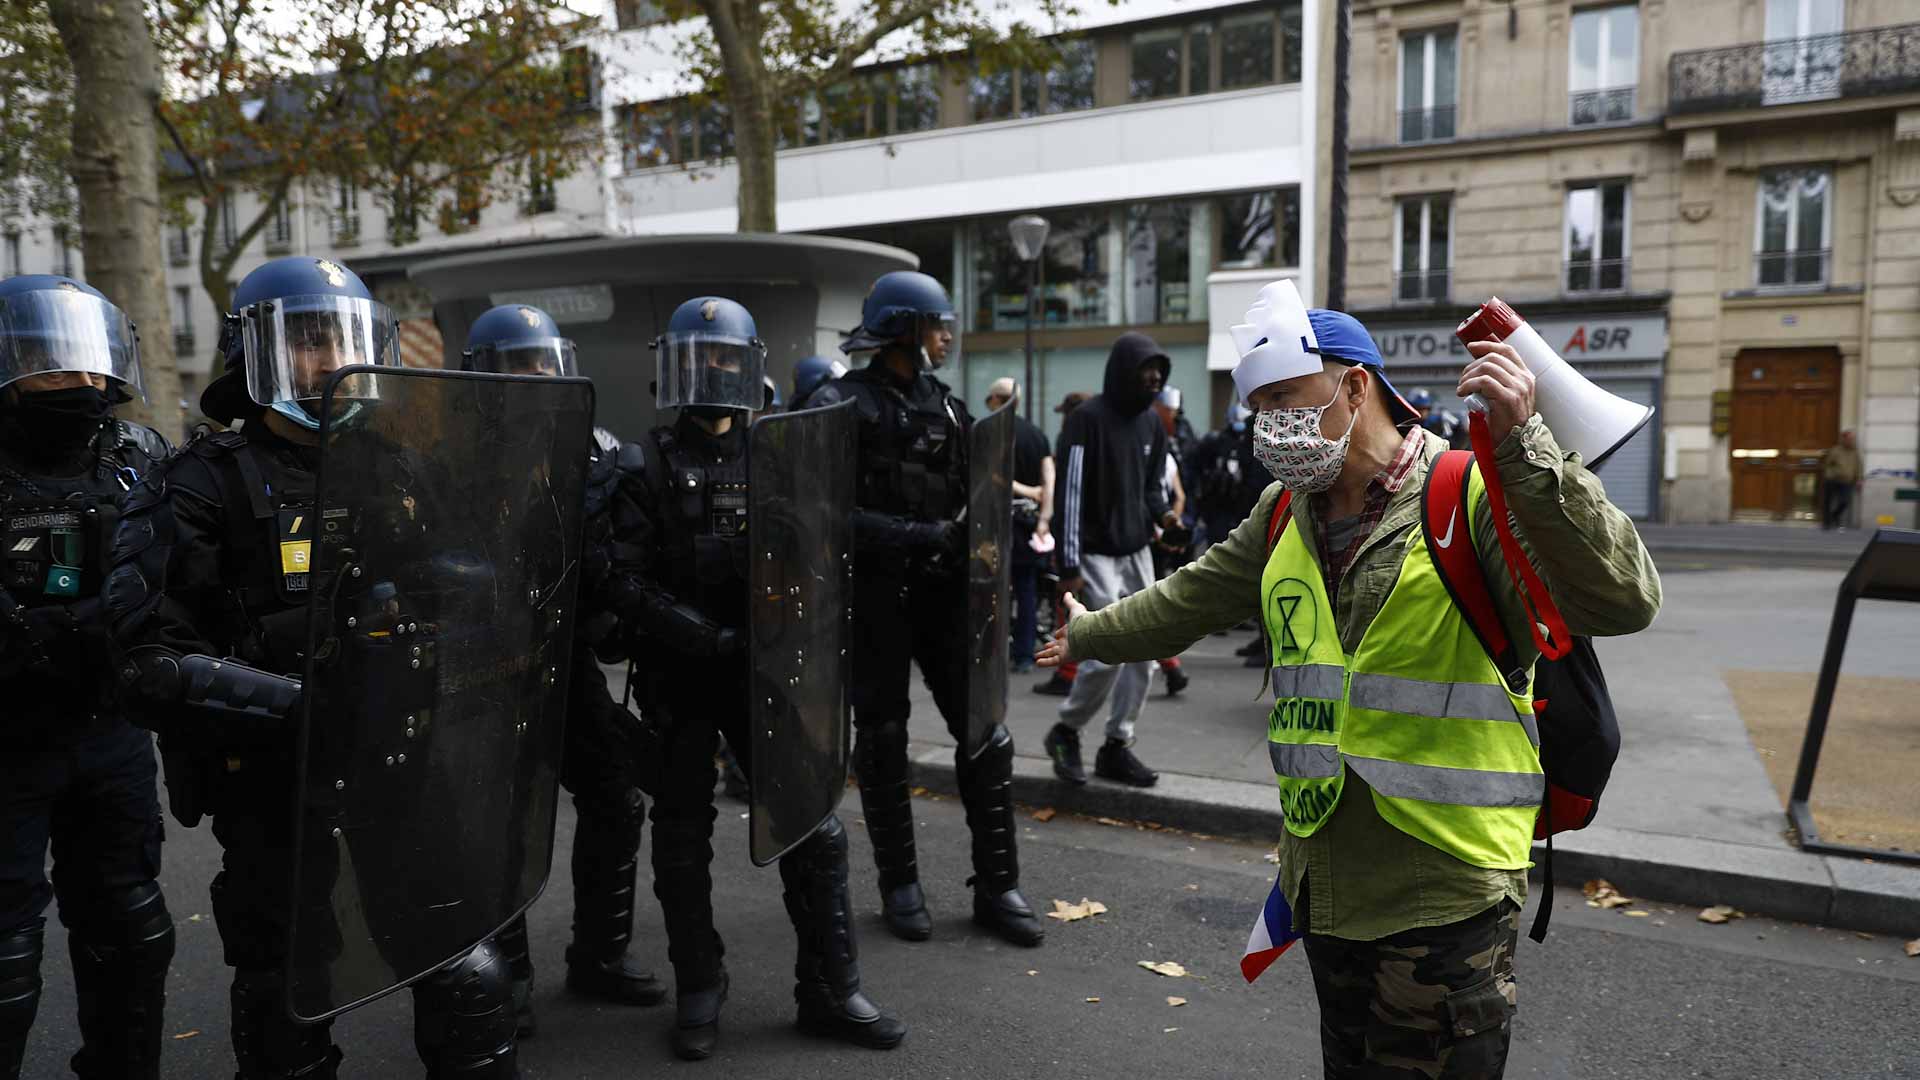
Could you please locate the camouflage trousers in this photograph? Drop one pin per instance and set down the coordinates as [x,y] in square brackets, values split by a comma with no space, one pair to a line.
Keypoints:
[1435,1003]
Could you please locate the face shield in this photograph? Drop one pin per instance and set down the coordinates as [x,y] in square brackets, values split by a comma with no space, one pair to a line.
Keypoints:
[529,356]
[293,344]
[715,370]
[49,330]
[939,339]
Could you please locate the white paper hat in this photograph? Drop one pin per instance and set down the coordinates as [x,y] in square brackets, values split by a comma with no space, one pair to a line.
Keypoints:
[1276,342]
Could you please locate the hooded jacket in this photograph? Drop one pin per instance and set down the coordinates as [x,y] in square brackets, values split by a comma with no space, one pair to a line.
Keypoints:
[1111,454]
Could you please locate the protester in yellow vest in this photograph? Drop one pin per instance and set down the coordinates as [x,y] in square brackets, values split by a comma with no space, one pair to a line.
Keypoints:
[1408,767]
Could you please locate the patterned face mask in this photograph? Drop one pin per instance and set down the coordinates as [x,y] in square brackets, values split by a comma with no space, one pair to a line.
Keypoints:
[1288,442]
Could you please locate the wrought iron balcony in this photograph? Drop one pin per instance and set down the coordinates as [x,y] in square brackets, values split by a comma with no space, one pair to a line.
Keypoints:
[1586,276]
[1860,63]
[1426,125]
[1421,286]
[1802,269]
[1611,106]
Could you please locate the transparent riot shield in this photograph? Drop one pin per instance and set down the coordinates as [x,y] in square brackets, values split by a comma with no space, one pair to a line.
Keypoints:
[800,475]
[443,571]
[989,574]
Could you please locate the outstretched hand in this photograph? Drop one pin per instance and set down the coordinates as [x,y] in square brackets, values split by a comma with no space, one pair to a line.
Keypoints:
[1055,652]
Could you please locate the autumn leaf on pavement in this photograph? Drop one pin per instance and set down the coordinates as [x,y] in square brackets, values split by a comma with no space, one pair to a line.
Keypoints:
[1720,913]
[1601,894]
[1164,967]
[1176,1002]
[187,1034]
[1913,947]
[1093,1001]
[1044,814]
[1086,908]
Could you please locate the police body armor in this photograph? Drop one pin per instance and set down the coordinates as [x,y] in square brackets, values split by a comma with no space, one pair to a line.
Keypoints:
[53,553]
[913,457]
[702,505]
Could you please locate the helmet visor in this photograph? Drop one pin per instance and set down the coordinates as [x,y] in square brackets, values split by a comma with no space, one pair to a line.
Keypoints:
[49,330]
[294,343]
[710,369]
[532,356]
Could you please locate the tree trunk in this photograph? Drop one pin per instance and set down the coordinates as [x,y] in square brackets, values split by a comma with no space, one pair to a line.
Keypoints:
[754,147]
[116,173]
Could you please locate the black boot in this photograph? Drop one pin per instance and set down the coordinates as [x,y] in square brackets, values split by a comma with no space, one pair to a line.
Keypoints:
[986,789]
[880,759]
[826,970]
[1056,685]
[268,1044]
[1177,680]
[1063,746]
[19,993]
[513,948]
[463,1020]
[606,846]
[121,987]
[683,883]
[1115,761]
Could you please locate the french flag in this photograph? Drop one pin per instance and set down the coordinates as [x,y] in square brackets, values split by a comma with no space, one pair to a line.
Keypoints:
[1273,934]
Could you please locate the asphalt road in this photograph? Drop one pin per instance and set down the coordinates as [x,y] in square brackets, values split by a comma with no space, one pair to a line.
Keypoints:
[1607,996]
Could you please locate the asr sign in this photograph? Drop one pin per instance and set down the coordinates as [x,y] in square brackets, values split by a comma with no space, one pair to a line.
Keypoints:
[1602,337]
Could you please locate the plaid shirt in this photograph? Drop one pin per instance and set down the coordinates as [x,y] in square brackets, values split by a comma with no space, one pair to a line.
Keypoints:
[1379,491]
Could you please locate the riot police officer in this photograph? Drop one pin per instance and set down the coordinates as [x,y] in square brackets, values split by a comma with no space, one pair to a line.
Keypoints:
[811,374]
[73,772]
[909,582]
[679,582]
[212,559]
[597,765]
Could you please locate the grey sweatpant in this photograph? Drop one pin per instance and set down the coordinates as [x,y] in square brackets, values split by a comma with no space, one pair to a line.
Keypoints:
[1110,578]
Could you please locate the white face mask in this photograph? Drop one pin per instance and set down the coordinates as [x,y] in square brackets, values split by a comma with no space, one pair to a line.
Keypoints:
[1288,442]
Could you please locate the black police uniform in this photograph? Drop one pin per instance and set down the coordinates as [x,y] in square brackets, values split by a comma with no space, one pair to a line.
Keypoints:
[73,772]
[909,583]
[680,581]
[599,766]
[208,560]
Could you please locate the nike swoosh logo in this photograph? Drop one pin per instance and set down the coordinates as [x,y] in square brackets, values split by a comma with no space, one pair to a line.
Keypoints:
[1447,540]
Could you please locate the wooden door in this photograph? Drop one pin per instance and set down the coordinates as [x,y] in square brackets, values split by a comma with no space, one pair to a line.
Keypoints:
[1786,413]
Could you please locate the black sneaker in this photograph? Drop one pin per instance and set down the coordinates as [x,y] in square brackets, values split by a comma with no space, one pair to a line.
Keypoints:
[1177,681]
[1252,648]
[1063,746]
[1115,761]
[1054,686]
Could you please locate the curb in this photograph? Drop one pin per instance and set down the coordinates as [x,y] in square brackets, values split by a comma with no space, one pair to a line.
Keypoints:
[1783,882]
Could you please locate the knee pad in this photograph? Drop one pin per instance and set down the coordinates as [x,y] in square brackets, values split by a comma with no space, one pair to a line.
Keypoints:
[463,1020]
[20,977]
[472,985]
[611,808]
[995,759]
[132,917]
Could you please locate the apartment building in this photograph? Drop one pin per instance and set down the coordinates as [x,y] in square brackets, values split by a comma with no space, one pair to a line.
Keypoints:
[1708,206]
[1169,148]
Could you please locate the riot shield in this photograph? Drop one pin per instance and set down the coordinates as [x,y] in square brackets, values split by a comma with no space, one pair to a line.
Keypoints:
[444,553]
[989,573]
[800,475]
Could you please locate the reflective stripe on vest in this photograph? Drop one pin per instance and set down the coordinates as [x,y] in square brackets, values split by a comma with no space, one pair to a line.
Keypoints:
[1443,701]
[1440,784]
[1309,680]
[1304,760]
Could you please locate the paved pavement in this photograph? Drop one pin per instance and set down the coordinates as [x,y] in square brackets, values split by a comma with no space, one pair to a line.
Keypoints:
[1690,813]
[1650,998]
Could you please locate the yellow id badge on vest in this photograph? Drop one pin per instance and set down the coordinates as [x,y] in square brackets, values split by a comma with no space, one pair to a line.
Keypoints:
[296,545]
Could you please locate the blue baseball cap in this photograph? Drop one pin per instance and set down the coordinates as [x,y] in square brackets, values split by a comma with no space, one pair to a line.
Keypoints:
[1339,336]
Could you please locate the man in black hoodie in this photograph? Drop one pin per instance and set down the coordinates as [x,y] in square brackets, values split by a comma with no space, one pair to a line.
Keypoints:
[1112,452]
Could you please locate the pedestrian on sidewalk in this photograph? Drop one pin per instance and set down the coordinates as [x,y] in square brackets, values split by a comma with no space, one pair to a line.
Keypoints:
[1060,682]
[1173,545]
[1114,449]
[1408,770]
[1839,475]
[1032,516]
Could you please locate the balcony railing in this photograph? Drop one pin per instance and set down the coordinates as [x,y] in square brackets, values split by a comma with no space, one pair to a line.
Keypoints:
[183,343]
[346,228]
[1584,276]
[1420,286]
[1612,106]
[1426,125]
[1860,63]
[178,250]
[279,234]
[1802,269]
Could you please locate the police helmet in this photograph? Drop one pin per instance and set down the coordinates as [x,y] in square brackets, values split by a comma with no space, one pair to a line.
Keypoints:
[770,394]
[518,339]
[50,323]
[910,309]
[711,355]
[297,320]
[813,372]
[1420,398]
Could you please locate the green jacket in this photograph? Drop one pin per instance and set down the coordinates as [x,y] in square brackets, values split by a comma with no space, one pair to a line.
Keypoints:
[1367,879]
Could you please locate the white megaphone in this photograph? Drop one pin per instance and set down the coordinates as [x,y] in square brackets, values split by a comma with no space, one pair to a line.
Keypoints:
[1582,417]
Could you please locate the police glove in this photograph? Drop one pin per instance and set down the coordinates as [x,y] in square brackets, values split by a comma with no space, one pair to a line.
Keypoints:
[938,537]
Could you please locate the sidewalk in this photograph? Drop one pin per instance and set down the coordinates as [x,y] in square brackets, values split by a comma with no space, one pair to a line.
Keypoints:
[1690,816]
[1800,542]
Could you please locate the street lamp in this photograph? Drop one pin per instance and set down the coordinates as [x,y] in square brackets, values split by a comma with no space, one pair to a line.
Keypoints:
[1029,233]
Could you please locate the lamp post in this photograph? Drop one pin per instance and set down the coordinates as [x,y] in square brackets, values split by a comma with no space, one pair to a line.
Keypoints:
[1029,234]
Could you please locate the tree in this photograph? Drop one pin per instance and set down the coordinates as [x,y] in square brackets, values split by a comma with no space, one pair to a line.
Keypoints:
[111,86]
[762,56]
[433,106]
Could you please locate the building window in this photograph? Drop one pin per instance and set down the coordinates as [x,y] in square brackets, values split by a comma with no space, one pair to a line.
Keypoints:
[1597,218]
[634,14]
[540,196]
[403,214]
[646,139]
[226,227]
[992,93]
[1156,64]
[713,126]
[62,252]
[1804,53]
[179,246]
[182,320]
[1160,272]
[1791,246]
[1427,74]
[14,268]
[1076,269]
[1252,49]
[1422,248]
[280,226]
[916,99]
[345,212]
[1260,228]
[1603,64]
[1070,82]
[1064,86]
[1247,44]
